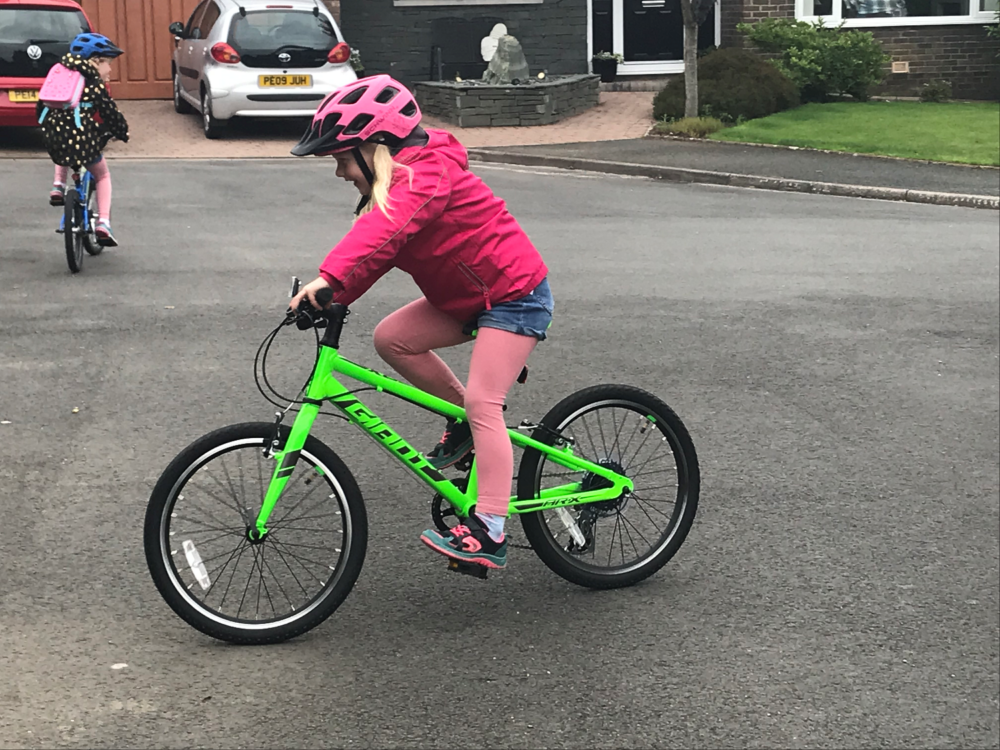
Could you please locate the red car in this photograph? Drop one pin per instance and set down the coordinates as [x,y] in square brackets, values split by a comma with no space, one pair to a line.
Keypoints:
[34,35]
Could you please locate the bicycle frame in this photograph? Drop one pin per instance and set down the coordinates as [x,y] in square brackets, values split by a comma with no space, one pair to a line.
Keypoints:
[81,184]
[323,386]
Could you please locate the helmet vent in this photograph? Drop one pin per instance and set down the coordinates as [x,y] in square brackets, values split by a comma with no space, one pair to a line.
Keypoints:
[386,95]
[409,110]
[328,122]
[358,124]
[352,97]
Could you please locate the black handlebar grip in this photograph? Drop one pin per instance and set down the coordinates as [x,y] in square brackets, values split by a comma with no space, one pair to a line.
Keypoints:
[324,297]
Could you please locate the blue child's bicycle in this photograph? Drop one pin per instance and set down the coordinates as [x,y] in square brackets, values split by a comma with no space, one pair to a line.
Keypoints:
[79,221]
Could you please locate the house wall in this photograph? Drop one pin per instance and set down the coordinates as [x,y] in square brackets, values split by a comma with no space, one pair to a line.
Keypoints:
[962,54]
[398,40]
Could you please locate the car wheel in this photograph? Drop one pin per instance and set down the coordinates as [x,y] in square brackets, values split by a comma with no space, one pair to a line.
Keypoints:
[181,105]
[213,128]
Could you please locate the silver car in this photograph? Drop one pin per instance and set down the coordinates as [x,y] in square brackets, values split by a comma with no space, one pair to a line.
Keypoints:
[257,58]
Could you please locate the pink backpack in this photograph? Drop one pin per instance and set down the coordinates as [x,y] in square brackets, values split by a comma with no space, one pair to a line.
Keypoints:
[62,90]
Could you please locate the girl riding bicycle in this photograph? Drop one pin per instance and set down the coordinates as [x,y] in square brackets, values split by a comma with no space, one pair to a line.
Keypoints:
[76,138]
[424,212]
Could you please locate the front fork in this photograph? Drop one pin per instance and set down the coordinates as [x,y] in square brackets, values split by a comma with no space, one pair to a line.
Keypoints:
[286,458]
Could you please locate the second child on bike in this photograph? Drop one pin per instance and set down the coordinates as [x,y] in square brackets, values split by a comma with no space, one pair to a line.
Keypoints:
[76,137]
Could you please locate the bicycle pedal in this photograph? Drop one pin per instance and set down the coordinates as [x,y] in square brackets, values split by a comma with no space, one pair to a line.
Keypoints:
[469,569]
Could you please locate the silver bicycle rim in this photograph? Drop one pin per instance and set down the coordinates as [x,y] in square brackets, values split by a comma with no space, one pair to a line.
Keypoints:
[171,548]
[596,442]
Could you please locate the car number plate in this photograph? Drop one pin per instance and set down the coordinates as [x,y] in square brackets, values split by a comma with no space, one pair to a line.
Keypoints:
[23,96]
[284,80]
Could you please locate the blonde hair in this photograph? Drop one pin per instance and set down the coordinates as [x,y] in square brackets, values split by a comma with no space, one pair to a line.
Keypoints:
[384,167]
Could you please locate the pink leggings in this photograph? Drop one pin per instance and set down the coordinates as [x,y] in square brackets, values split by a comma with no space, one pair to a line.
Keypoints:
[102,184]
[406,338]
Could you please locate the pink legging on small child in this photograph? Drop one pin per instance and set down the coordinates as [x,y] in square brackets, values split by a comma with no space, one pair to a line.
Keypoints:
[102,184]
[405,339]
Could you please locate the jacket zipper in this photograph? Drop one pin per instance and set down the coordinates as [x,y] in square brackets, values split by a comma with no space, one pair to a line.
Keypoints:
[471,275]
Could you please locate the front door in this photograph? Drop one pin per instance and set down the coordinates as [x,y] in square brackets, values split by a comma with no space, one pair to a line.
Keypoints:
[654,30]
[648,34]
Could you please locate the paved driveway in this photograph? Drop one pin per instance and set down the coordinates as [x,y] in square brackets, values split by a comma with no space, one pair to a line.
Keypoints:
[159,132]
[836,360]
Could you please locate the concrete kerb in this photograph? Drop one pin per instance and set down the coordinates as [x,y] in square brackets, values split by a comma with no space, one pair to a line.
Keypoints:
[682,174]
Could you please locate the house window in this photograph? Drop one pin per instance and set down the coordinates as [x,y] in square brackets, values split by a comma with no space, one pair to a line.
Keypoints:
[432,3]
[873,13]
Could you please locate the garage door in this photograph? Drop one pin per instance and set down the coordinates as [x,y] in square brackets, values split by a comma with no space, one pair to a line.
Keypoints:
[140,28]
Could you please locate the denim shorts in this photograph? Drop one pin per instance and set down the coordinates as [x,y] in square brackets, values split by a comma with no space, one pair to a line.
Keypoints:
[529,316]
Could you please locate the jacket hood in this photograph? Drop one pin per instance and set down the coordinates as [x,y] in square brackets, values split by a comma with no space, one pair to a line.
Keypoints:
[443,143]
[84,67]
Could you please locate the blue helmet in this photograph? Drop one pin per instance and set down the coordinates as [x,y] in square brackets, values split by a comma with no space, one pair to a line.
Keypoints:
[90,45]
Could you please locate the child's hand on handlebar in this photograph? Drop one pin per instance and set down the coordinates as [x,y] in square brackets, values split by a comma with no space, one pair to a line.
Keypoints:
[309,291]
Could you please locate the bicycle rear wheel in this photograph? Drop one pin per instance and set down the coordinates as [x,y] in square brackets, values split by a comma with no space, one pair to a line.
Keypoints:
[90,243]
[619,542]
[73,230]
[230,587]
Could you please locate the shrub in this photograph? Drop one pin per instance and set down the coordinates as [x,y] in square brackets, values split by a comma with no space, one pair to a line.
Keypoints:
[733,85]
[692,127]
[935,91]
[821,60]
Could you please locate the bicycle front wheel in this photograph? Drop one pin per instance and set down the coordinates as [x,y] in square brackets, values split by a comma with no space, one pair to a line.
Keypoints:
[90,243]
[73,230]
[618,542]
[235,589]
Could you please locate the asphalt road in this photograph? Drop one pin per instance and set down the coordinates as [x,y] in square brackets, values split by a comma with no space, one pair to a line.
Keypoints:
[836,361]
[789,164]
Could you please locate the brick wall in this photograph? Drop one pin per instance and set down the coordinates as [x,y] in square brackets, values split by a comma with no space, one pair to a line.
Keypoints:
[963,55]
[334,8]
[398,41]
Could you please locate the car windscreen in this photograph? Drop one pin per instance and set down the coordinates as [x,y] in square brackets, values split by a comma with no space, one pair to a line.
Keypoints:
[267,31]
[33,39]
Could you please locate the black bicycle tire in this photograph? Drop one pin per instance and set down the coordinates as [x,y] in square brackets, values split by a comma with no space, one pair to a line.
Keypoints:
[153,531]
[72,239]
[535,528]
[90,243]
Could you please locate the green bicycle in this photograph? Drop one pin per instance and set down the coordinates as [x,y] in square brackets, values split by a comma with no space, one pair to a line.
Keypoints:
[256,533]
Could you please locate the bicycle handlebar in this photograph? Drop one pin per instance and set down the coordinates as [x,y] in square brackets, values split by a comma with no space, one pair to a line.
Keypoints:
[329,316]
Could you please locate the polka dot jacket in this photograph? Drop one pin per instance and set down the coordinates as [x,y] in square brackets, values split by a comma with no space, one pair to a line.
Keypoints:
[72,146]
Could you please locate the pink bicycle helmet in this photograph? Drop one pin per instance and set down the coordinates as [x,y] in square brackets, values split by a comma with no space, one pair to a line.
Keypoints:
[377,109]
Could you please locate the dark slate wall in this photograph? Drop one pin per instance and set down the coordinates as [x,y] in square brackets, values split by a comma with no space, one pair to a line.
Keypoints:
[398,41]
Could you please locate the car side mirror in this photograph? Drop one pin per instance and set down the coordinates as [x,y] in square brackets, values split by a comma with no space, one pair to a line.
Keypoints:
[177,29]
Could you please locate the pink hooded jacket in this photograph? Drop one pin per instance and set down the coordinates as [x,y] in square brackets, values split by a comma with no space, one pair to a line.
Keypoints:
[446,229]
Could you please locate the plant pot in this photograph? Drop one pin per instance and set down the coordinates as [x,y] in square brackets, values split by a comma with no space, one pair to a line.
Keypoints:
[606,69]
[360,73]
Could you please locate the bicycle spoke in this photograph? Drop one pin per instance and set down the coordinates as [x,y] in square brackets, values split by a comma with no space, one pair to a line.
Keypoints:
[638,499]
[190,501]
[299,557]
[282,521]
[306,546]
[290,570]
[281,588]
[635,430]
[232,490]
[233,574]
[222,460]
[230,531]
[626,523]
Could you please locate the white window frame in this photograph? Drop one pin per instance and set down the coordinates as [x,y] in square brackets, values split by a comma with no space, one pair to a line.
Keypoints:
[975,16]
[649,67]
[432,3]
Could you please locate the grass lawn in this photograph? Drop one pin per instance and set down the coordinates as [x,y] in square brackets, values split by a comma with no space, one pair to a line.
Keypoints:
[952,131]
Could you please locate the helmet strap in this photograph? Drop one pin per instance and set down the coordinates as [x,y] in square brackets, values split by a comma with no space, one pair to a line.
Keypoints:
[367,172]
